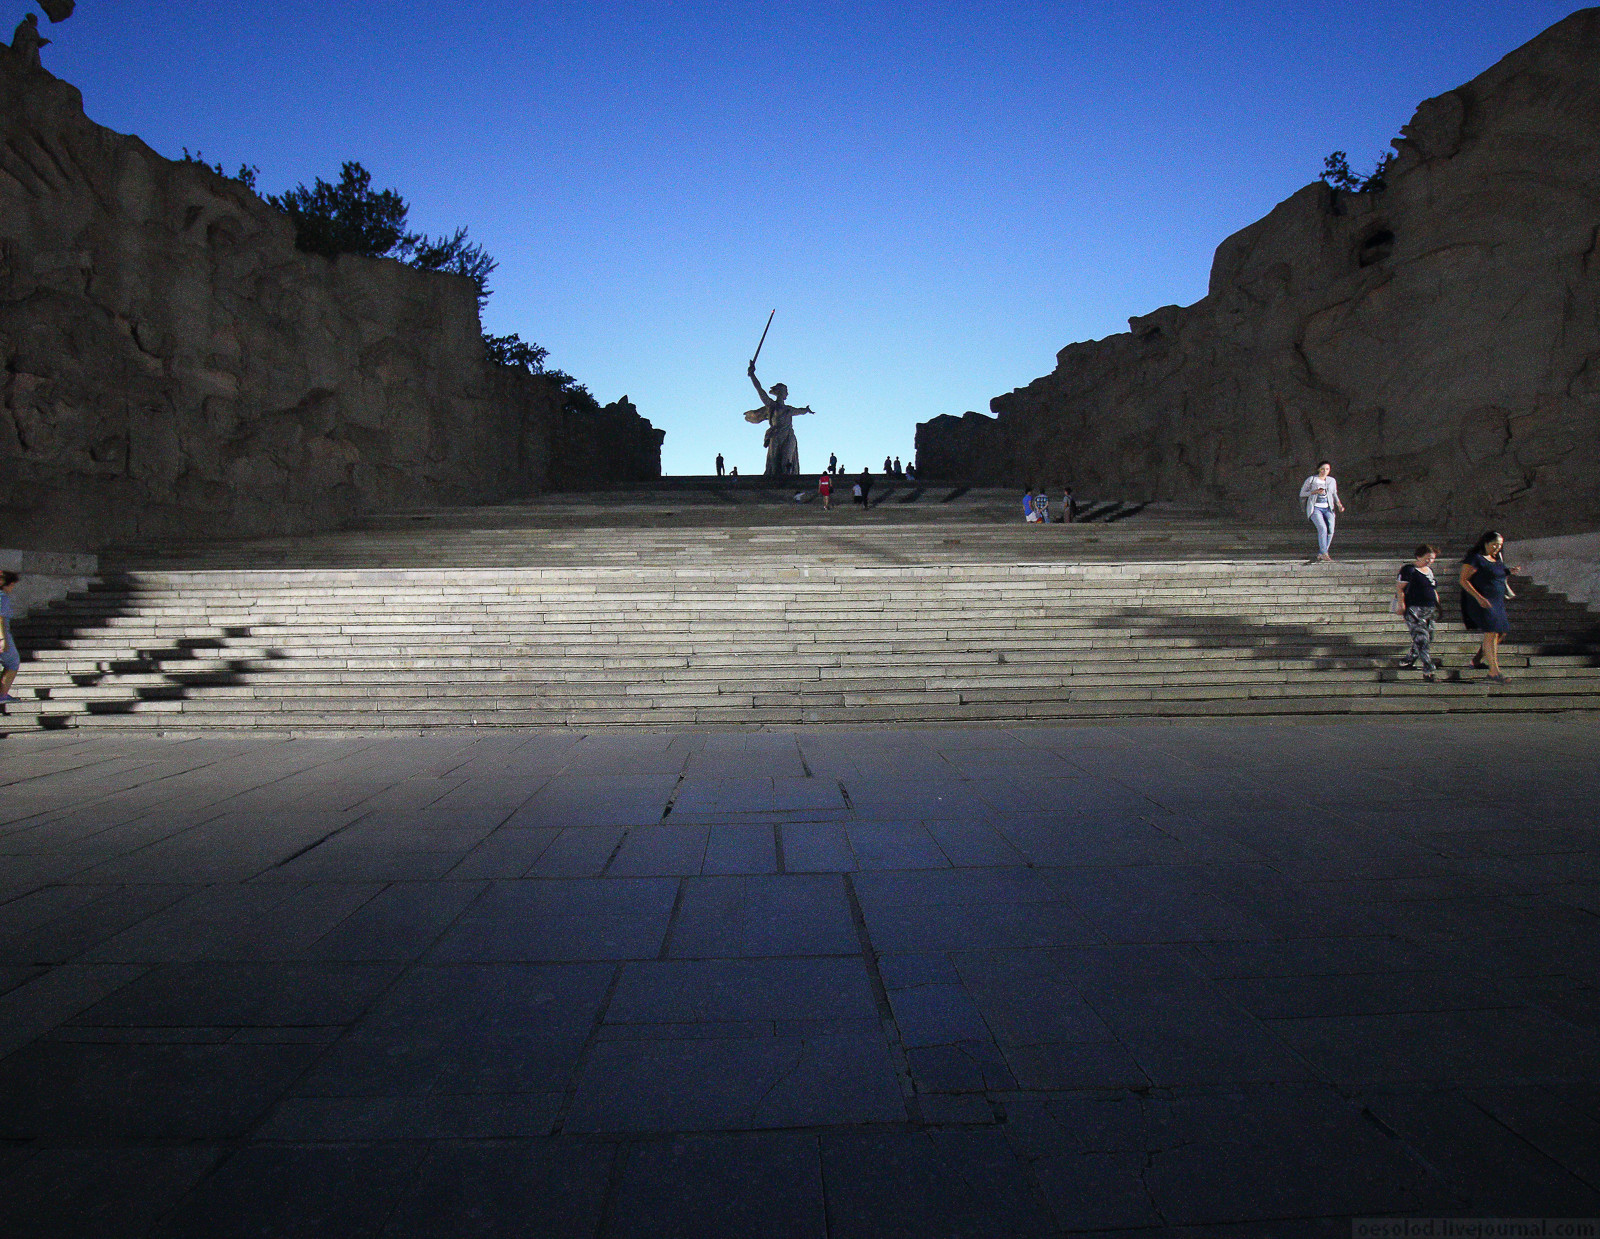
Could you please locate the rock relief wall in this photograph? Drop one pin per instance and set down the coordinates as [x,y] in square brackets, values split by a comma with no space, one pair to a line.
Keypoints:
[174,367]
[1438,340]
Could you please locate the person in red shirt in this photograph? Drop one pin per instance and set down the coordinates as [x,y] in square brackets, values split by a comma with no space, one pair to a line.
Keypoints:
[825,489]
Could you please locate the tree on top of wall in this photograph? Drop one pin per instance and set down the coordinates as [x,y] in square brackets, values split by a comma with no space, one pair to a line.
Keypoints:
[513,350]
[1337,173]
[352,218]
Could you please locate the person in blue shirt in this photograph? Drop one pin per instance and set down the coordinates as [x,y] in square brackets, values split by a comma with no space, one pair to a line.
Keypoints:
[1484,591]
[10,660]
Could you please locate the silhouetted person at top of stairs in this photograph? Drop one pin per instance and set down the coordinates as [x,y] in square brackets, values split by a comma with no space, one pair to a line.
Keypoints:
[720,469]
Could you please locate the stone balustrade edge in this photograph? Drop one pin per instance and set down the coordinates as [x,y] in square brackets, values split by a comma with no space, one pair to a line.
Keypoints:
[1568,565]
[47,575]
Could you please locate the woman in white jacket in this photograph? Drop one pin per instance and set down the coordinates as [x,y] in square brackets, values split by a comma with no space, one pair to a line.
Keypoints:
[1321,495]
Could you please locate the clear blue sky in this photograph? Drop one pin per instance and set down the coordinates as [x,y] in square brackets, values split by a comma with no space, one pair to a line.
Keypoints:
[935,196]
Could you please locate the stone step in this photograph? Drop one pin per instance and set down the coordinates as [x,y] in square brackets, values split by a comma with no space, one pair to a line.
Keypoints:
[820,610]
[768,563]
[822,607]
[1266,566]
[488,670]
[871,562]
[1391,699]
[828,644]
[1017,688]
[198,621]
[497,679]
[604,649]
[506,684]
[630,703]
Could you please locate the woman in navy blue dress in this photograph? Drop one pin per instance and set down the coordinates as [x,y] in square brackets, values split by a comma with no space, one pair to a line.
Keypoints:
[1483,600]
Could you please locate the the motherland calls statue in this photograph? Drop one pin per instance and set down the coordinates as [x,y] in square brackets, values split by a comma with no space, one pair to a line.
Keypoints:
[27,41]
[783,452]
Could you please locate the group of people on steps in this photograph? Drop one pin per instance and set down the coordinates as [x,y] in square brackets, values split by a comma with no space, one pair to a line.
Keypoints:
[1036,507]
[1482,578]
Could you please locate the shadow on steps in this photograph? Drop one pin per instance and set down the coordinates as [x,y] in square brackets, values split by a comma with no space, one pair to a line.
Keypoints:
[115,599]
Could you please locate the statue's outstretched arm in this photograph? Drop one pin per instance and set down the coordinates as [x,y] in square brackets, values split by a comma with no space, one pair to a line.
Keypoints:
[760,391]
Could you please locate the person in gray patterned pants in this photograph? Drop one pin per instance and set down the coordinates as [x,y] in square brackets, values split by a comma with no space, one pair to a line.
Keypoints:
[1417,595]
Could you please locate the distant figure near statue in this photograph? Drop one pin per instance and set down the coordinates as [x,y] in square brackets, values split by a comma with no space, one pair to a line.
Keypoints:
[783,451]
[26,41]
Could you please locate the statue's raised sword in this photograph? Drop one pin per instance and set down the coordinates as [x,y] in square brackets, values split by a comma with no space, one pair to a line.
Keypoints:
[764,331]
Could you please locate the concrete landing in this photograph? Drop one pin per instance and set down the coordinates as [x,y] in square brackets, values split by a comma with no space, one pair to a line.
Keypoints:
[1220,979]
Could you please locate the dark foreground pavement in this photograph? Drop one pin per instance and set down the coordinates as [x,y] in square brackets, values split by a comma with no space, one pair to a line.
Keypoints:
[1201,980]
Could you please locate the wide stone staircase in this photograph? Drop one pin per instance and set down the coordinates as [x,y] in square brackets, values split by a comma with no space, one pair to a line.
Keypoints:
[717,605]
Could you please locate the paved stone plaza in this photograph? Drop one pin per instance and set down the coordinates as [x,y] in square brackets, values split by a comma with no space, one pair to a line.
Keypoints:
[1206,979]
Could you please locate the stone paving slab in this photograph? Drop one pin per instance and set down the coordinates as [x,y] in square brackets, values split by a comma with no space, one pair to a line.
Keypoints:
[1207,980]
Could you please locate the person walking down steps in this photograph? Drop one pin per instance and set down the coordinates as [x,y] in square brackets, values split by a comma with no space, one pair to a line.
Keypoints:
[1321,495]
[10,659]
[1484,591]
[1417,596]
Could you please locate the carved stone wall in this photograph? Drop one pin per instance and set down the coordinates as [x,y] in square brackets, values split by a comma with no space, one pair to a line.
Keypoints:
[1439,341]
[174,367]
